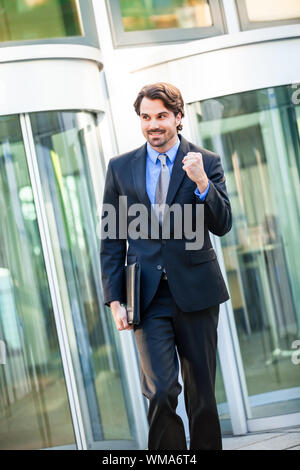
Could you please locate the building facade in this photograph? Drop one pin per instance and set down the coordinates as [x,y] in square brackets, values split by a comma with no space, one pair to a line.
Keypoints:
[69,73]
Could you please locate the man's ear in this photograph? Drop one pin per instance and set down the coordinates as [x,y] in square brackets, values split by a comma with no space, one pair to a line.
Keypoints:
[178,118]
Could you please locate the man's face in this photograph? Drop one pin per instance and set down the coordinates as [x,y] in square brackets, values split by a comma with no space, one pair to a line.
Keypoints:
[159,124]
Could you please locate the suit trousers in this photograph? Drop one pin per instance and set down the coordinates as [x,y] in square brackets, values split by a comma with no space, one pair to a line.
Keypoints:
[164,334]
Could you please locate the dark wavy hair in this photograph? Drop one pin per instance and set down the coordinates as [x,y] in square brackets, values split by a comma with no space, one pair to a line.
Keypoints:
[169,94]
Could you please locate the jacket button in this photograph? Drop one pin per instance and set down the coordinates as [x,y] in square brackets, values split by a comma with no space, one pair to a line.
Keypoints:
[159,267]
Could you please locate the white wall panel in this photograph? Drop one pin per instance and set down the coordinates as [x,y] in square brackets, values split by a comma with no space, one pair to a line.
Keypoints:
[48,84]
[232,70]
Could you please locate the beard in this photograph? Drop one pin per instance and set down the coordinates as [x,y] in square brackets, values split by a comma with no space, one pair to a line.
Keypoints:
[159,140]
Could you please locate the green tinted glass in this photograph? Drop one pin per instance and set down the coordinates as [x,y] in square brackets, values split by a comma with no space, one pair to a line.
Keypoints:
[34,405]
[23,20]
[67,150]
[257,136]
[142,15]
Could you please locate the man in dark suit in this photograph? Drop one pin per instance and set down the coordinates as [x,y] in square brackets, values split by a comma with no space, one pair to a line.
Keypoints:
[181,289]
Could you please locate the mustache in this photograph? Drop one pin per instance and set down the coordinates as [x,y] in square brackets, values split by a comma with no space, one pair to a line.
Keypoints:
[155,131]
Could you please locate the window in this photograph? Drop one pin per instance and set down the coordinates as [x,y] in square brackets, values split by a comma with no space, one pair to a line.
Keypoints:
[148,22]
[29,21]
[46,285]
[34,405]
[257,135]
[67,149]
[257,14]
[138,15]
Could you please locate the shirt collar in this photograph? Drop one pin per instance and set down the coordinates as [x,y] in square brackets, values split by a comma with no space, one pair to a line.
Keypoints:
[171,153]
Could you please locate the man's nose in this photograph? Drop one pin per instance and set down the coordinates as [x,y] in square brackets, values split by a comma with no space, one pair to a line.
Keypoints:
[153,124]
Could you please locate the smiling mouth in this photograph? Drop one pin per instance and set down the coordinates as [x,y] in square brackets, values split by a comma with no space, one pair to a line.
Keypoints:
[156,134]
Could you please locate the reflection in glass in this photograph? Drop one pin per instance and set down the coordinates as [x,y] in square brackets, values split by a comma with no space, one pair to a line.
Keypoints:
[221,399]
[142,15]
[23,20]
[68,155]
[256,134]
[34,408]
[272,10]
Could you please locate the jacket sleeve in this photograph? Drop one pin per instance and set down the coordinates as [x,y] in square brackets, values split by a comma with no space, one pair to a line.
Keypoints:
[217,209]
[112,247]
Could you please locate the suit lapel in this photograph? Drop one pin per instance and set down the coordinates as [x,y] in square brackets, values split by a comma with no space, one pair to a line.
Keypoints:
[138,169]
[177,171]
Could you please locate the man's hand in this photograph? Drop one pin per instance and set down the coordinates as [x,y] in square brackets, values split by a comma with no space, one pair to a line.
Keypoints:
[193,165]
[120,316]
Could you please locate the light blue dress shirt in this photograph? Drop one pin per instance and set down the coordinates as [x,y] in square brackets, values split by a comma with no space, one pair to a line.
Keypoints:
[153,167]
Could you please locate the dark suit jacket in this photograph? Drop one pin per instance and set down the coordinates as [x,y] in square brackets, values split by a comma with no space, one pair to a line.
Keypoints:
[194,276]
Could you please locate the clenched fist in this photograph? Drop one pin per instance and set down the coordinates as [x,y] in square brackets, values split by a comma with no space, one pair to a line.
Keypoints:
[193,165]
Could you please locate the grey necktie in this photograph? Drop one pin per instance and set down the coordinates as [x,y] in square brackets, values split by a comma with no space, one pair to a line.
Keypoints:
[162,187]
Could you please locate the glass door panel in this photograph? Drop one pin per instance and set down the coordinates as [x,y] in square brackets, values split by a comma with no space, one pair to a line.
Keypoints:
[257,136]
[71,173]
[223,410]
[34,407]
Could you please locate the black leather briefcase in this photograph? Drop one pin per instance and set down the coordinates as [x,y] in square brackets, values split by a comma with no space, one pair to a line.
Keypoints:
[132,289]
